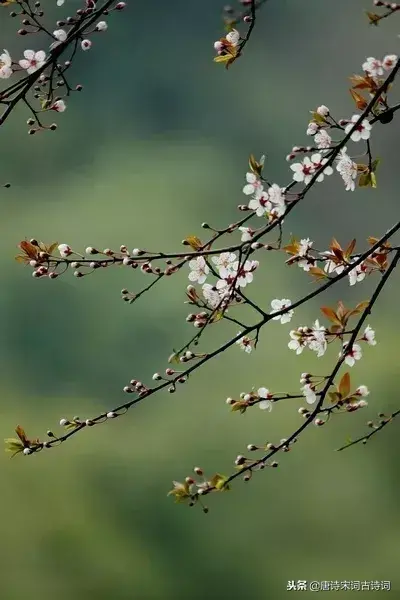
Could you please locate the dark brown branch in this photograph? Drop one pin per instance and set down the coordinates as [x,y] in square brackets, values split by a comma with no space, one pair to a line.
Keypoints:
[254,328]
[363,439]
[330,380]
[22,87]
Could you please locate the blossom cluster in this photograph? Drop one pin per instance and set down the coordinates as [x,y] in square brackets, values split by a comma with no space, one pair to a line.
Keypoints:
[43,75]
[220,277]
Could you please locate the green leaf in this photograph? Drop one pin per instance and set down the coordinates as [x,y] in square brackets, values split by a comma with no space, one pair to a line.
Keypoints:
[193,241]
[174,358]
[239,406]
[13,446]
[375,164]
[334,397]
[218,481]
[319,119]
[373,18]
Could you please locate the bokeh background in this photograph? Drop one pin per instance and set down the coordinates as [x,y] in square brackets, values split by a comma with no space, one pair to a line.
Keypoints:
[157,143]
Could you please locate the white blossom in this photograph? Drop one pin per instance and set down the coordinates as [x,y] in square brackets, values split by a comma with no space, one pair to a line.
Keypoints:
[247,234]
[278,305]
[276,196]
[261,204]
[318,342]
[305,264]
[233,37]
[373,67]
[211,295]
[33,60]
[347,169]
[322,139]
[86,44]
[304,246]
[323,110]
[245,344]
[363,391]
[330,265]
[318,163]
[101,26]
[357,274]
[5,65]
[309,393]
[64,250]
[303,171]
[266,403]
[224,263]
[199,270]
[389,61]
[253,185]
[369,336]
[361,132]
[298,341]
[60,35]
[59,106]
[312,128]
[303,261]
[355,353]
[245,275]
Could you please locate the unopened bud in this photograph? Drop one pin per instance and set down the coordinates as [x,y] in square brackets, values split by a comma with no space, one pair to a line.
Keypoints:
[251,447]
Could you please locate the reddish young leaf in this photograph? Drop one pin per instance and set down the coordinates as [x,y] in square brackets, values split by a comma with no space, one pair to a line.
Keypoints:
[344,385]
[330,314]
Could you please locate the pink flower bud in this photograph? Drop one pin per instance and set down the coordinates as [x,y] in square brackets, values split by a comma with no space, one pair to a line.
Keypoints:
[86,44]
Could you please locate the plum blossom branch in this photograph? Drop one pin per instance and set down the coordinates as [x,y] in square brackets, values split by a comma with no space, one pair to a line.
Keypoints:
[391,8]
[384,420]
[182,491]
[230,47]
[75,425]
[41,255]
[233,266]
[143,257]
[42,69]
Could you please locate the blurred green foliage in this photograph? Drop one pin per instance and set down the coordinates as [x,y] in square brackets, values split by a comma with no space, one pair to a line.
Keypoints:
[157,143]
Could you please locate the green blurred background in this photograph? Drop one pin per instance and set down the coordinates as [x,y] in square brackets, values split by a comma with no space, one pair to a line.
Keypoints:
[157,143]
